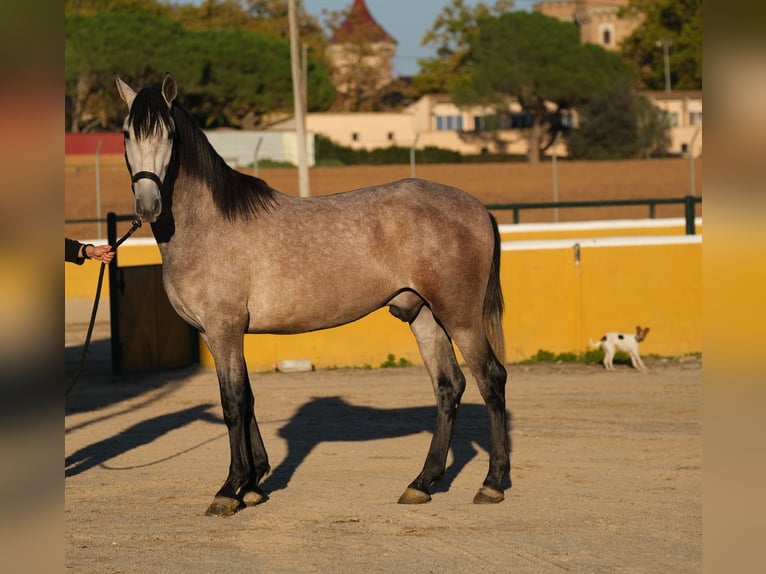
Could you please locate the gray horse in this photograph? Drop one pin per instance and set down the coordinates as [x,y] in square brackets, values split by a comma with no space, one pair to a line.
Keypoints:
[239,257]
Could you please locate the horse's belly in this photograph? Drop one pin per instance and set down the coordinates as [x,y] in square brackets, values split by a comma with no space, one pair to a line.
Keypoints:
[302,317]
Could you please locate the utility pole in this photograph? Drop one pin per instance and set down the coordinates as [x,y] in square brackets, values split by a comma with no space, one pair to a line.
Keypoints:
[665,43]
[298,102]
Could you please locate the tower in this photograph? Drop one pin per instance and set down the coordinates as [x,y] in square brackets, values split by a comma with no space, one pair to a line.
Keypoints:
[361,53]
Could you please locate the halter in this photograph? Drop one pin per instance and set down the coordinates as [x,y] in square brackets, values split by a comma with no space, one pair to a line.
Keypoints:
[147,175]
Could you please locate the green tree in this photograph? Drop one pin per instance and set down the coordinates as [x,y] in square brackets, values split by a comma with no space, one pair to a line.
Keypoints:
[138,46]
[449,37]
[265,17]
[509,61]
[619,124]
[244,77]
[91,7]
[231,76]
[678,22]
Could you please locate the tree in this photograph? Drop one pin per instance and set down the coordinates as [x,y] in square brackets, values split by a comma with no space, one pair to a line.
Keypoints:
[244,77]
[231,76]
[619,124]
[92,7]
[264,17]
[539,61]
[676,21]
[449,36]
[139,46]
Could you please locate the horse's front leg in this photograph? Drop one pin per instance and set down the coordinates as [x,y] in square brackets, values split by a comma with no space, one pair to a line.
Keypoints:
[249,461]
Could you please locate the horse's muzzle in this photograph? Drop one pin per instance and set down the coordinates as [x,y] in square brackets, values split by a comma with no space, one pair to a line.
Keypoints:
[148,203]
[148,206]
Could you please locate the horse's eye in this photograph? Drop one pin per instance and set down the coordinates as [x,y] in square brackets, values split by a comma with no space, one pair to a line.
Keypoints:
[126,134]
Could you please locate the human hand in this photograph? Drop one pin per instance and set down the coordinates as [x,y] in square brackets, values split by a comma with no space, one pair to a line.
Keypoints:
[102,253]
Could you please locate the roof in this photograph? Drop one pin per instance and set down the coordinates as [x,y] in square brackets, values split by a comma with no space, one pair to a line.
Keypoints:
[360,26]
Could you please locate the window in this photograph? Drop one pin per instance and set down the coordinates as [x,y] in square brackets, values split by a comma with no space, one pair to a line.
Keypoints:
[444,123]
[391,136]
[355,136]
[672,118]
[606,34]
[695,118]
[521,120]
[510,120]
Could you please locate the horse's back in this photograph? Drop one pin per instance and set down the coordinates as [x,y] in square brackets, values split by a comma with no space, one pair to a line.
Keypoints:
[398,205]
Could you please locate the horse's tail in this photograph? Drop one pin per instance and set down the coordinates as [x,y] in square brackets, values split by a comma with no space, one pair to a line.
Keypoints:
[493,301]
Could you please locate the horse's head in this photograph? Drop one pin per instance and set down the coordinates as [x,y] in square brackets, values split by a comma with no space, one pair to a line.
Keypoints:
[148,131]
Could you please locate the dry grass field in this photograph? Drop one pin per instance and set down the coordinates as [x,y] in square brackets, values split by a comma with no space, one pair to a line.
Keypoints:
[491,183]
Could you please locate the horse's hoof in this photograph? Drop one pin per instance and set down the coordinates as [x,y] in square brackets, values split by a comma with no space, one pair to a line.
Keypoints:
[223,506]
[487,495]
[414,496]
[253,497]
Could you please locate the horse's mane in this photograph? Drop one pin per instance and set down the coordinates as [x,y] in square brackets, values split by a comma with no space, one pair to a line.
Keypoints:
[234,193]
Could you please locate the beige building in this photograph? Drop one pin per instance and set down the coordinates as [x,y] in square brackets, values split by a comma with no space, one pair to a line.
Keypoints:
[598,20]
[684,109]
[434,120]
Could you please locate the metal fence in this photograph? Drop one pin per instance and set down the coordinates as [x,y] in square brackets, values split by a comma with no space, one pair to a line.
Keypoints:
[689,202]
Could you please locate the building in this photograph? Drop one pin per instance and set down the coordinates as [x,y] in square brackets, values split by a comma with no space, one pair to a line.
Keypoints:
[684,109]
[361,44]
[361,54]
[599,21]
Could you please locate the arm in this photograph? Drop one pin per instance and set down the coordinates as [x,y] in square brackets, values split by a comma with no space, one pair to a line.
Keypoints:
[76,252]
[73,251]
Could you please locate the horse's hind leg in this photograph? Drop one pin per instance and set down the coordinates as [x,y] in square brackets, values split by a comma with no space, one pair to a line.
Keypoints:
[449,384]
[490,376]
[249,461]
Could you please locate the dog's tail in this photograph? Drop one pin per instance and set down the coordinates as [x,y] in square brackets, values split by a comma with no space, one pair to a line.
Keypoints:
[596,345]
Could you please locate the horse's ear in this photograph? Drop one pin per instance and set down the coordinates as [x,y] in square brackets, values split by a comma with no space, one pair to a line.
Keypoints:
[169,89]
[127,93]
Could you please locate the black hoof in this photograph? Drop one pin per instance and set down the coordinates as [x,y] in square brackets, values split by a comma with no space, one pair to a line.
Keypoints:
[414,496]
[223,506]
[253,497]
[487,495]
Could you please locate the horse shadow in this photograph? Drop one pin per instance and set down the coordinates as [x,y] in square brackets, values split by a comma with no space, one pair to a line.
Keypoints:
[333,419]
[138,435]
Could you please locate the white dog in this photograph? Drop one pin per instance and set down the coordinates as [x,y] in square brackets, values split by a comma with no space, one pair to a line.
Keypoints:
[627,343]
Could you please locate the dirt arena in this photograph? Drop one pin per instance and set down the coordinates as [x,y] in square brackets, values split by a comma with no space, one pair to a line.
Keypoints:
[606,471]
[606,466]
[491,183]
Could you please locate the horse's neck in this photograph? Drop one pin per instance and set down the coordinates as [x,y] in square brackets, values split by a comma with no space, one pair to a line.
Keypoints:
[185,213]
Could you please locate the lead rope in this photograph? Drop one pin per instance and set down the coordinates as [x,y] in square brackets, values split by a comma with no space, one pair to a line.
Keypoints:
[136,225]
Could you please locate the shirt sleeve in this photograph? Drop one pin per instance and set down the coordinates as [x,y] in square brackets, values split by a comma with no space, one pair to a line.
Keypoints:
[72,251]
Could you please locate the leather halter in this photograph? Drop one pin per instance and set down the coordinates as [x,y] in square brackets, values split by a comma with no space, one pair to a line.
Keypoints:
[147,175]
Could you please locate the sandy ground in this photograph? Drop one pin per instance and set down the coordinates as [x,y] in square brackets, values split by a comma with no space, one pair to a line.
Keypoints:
[606,471]
[606,466]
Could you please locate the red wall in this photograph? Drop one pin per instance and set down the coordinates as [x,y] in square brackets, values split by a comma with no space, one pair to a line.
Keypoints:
[87,144]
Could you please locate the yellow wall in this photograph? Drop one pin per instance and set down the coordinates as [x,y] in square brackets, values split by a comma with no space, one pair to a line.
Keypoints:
[551,303]
[556,305]
[80,281]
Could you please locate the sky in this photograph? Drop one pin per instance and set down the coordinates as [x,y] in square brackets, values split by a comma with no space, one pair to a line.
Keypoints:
[406,20]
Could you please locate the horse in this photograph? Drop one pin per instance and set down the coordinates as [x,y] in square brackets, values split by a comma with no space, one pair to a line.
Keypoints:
[241,257]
